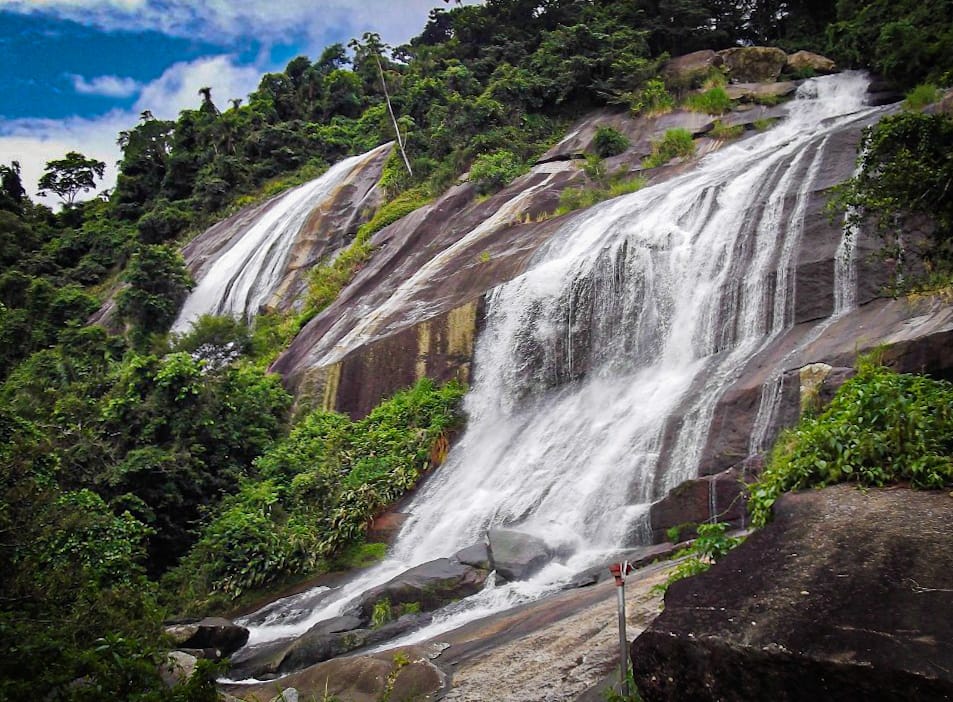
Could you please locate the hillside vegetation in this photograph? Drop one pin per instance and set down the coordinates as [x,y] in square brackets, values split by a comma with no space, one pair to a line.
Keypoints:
[141,474]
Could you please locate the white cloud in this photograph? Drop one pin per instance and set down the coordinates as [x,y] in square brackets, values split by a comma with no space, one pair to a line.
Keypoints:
[178,87]
[108,86]
[33,142]
[228,20]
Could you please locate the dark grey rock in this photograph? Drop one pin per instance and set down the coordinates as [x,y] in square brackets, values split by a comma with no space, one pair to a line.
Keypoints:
[476,555]
[844,596]
[428,586]
[515,555]
[209,633]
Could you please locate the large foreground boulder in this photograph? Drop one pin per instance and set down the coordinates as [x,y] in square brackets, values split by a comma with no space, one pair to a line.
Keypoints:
[845,596]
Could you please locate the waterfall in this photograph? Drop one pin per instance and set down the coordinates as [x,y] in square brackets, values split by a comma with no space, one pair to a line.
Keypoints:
[628,325]
[245,276]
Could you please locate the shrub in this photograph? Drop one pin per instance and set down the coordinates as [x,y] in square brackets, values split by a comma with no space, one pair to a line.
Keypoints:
[677,142]
[609,142]
[720,130]
[714,101]
[653,99]
[491,172]
[921,96]
[710,546]
[881,427]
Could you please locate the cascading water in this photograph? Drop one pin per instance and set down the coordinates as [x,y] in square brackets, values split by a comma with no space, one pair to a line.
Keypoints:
[636,314]
[245,276]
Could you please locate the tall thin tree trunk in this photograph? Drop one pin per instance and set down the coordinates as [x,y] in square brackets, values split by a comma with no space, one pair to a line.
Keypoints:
[400,139]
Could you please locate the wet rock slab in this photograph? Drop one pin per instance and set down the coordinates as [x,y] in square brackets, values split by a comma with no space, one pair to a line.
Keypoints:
[845,596]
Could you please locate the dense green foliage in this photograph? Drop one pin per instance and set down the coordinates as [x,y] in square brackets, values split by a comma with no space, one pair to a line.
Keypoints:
[881,427]
[904,184]
[907,41]
[312,494]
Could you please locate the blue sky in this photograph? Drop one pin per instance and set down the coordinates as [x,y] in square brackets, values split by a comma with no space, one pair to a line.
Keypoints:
[76,72]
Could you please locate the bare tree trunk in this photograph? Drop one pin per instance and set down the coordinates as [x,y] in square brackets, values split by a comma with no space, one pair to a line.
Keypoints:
[400,139]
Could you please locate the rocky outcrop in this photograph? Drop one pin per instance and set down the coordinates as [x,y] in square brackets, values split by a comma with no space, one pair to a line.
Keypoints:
[516,555]
[843,597]
[210,633]
[753,64]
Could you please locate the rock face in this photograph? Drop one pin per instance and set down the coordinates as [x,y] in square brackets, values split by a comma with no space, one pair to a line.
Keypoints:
[515,555]
[753,64]
[845,596]
[209,633]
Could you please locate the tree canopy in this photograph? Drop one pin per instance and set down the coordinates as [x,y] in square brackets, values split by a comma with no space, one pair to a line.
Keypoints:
[71,175]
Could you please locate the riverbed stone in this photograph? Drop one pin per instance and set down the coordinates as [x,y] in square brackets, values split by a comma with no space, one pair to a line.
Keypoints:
[844,596]
[516,555]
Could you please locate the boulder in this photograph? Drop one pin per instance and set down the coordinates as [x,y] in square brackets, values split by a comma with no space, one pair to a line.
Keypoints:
[287,695]
[515,555]
[754,92]
[753,64]
[844,596]
[209,633]
[688,70]
[427,587]
[369,678]
[477,555]
[807,61]
[178,668]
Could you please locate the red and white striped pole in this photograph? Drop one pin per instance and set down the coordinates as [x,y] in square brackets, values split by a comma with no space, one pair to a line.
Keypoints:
[619,571]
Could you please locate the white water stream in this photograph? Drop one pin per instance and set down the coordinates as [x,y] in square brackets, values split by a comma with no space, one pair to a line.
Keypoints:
[638,313]
[242,278]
